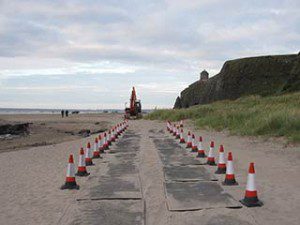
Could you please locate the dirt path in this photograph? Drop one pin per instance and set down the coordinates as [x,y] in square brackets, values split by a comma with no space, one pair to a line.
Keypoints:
[30,180]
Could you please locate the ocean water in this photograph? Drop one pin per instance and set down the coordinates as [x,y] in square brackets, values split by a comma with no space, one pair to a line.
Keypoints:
[54,111]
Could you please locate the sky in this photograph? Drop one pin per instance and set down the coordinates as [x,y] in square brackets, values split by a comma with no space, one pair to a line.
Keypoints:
[88,54]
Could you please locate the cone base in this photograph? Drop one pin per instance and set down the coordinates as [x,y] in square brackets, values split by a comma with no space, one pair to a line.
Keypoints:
[251,202]
[82,173]
[194,150]
[89,164]
[188,146]
[230,182]
[211,163]
[70,185]
[201,155]
[220,171]
[97,157]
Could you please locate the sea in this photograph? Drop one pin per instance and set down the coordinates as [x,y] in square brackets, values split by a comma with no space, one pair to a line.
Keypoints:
[58,111]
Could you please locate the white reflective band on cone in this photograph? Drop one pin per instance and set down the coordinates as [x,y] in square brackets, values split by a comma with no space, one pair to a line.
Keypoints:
[251,182]
[200,145]
[71,170]
[211,152]
[221,158]
[81,160]
[229,167]
[87,154]
[189,138]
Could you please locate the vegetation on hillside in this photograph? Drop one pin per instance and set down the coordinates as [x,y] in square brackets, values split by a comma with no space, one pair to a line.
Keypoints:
[254,115]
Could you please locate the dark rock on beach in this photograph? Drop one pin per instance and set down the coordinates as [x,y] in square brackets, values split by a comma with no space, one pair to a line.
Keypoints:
[14,129]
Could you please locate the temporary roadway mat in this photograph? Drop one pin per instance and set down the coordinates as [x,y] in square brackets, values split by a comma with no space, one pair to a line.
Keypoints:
[188,184]
[115,196]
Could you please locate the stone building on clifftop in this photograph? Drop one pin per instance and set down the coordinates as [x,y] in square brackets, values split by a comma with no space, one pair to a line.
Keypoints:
[204,75]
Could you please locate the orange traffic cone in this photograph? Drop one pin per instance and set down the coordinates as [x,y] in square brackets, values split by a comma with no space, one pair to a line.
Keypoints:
[118,129]
[100,139]
[170,127]
[88,155]
[229,178]
[221,163]
[189,140]
[174,130]
[123,126]
[96,153]
[109,138]
[112,135]
[201,152]
[116,132]
[251,199]
[81,171]
[194,145]
[70,178]
[105,145]
[177,133]
[181,137]
[211,157]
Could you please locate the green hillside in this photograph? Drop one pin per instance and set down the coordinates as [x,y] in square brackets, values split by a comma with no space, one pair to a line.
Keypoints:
[277,116]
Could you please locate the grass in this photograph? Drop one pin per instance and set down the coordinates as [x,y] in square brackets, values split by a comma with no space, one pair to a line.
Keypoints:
[277,116]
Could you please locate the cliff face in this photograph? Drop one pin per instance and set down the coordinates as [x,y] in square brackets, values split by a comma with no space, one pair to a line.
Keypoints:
[265,75]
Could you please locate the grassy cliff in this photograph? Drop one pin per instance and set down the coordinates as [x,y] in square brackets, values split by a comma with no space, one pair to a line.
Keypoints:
[253,115]
[263,75]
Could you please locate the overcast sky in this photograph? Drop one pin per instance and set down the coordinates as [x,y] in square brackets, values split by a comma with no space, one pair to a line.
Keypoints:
[88,54]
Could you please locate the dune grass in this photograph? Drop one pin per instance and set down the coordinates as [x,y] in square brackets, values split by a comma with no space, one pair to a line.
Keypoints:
[277,116]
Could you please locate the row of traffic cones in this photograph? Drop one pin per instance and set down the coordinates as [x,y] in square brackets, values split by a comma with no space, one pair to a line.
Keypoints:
[102,143]
[223,167]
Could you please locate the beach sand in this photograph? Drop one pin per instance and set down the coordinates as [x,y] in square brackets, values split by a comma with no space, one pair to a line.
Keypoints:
[30,180]
[48,129]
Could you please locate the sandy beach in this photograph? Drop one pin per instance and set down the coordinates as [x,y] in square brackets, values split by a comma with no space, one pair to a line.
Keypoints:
[30,179]
[49,129]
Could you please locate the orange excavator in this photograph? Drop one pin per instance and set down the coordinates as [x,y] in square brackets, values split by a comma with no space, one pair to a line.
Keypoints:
[135,110]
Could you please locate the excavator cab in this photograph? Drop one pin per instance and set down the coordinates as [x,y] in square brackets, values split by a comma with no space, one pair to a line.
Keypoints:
[138,106]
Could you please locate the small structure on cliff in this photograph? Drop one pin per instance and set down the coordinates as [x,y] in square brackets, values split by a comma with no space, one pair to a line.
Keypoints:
[204,75]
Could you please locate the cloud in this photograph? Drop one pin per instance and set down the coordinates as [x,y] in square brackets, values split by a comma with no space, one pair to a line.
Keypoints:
[158,45]
[76,68]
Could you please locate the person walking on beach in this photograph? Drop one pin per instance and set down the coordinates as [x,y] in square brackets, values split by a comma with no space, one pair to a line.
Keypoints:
[62,113]
[67,113]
